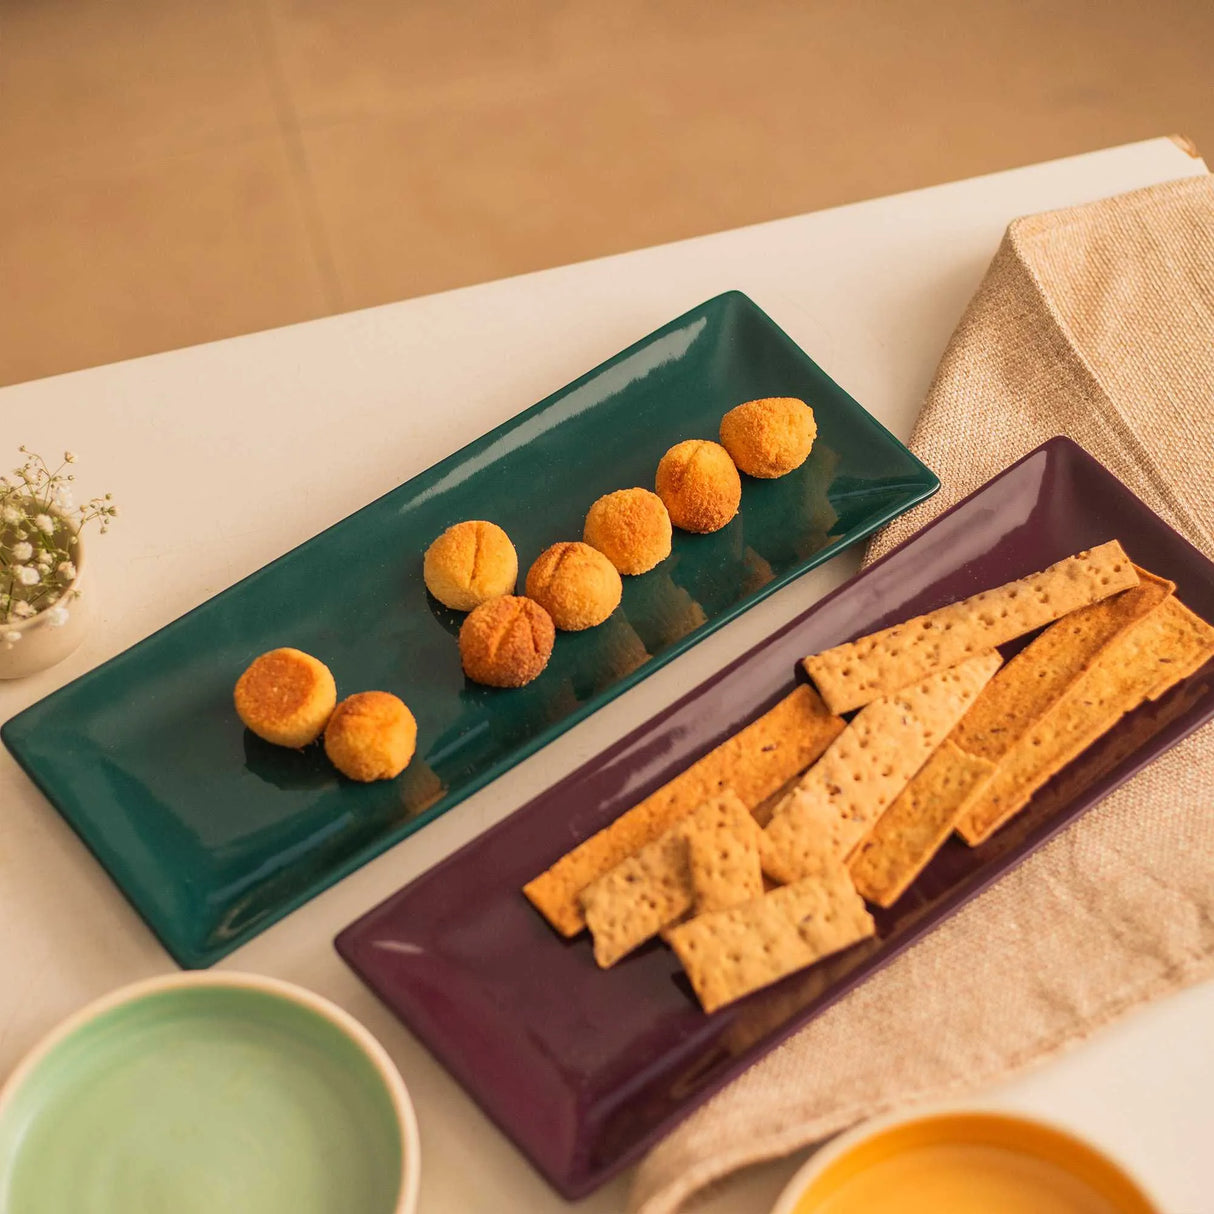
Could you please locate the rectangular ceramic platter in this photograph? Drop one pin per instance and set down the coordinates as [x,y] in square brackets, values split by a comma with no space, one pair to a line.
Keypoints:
[585,1069]
[213,834]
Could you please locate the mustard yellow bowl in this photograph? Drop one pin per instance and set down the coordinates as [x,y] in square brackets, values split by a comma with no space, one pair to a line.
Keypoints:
[962,1162]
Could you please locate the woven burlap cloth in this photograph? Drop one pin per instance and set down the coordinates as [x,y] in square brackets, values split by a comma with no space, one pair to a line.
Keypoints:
[1098,323]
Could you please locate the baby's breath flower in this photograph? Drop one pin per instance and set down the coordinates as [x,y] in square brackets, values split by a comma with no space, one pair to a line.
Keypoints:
[39,526]
[11,637]
[56,617]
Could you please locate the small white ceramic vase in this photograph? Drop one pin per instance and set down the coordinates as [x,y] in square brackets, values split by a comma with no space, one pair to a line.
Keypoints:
[43,639]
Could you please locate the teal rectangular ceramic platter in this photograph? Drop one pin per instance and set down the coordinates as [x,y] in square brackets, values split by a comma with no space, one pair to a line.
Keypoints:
[213,835]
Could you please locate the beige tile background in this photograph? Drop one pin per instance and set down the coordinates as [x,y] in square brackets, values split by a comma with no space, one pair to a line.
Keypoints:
[173,171]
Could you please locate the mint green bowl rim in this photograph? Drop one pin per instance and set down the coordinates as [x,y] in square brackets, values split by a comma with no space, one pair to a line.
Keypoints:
[339,1018]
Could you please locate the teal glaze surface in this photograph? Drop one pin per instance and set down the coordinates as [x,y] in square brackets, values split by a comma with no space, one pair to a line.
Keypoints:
[213,835]
[200,1100]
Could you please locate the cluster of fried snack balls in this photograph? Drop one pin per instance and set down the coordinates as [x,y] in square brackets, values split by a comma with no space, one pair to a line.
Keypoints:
[507,639]
[289,698]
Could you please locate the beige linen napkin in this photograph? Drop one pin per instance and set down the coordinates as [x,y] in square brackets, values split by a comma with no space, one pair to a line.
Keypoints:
[1098,323]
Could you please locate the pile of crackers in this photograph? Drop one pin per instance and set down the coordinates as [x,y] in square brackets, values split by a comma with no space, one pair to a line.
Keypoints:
[758,860]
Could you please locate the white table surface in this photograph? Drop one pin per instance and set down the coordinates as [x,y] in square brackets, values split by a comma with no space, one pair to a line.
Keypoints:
[224,456]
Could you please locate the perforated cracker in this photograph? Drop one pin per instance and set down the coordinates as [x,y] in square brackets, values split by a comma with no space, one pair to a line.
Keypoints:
[837,801]
[637,898]
[724,865]
[1154,654]
[852,675]
[655,887]
[754,763]
[912,830]
[730,953]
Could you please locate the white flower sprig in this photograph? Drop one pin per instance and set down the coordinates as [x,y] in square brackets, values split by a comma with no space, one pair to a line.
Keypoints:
[38,529]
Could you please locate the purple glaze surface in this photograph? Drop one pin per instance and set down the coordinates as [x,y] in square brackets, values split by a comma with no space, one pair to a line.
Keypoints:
[586,1069]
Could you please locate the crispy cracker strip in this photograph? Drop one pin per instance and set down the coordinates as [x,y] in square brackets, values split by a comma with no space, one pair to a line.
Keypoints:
[852,675]
[729,953]
[755,762]
[837,801]
[912,830]
[1161,649]
[653,888]
[1032,682]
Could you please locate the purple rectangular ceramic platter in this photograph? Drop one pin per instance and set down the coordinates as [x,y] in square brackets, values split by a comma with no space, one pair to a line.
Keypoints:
[585,1069]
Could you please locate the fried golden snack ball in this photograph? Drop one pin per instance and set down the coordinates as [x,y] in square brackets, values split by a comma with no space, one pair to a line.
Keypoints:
[285,697]
[469,564]
[631,528]
[506,642]
[699,485]
[769,437]
[371,736]
[576,584]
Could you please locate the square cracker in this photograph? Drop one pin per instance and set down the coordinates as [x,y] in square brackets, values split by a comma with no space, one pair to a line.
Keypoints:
[724,864]
[730,953]
[852,675]
[837,801]
[912,830]
[754,763]
[1158,651]
[655,887]
[637,898]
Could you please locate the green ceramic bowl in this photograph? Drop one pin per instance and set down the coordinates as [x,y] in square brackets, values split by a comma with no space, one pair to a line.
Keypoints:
[196,1093]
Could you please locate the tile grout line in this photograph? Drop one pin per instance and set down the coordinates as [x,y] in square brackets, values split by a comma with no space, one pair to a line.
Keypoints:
[288,126]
